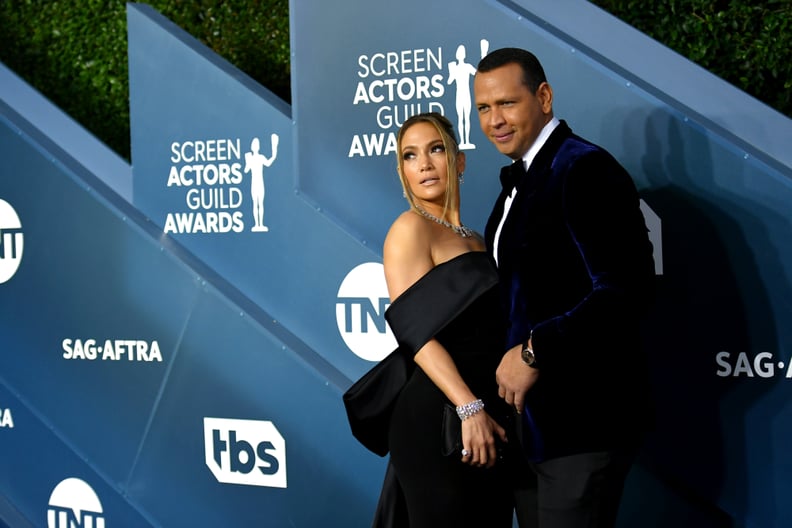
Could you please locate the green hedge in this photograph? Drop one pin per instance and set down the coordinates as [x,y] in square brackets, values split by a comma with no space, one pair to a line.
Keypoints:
[747,42]
[75,52]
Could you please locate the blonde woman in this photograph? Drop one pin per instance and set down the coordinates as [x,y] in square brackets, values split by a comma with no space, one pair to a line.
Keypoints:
[445,311]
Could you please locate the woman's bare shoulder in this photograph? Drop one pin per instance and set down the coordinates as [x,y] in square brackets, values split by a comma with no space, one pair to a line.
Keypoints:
[407,231]
[407,252]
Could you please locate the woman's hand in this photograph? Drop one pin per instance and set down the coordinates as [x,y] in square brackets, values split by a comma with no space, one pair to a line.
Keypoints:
[478,440]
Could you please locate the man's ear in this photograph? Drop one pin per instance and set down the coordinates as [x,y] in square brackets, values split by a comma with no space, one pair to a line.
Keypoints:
[544,94]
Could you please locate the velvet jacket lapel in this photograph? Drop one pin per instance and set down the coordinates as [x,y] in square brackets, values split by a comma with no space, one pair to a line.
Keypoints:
[515,238]
[527,183]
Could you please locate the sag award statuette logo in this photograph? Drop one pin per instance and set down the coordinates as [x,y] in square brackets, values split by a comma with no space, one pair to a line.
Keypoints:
[210,175]
[254,164]
[394,85]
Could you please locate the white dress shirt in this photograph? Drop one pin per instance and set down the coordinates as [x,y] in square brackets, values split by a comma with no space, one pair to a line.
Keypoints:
[527,159]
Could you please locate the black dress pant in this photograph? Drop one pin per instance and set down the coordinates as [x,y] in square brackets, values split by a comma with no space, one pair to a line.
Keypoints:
[576,491]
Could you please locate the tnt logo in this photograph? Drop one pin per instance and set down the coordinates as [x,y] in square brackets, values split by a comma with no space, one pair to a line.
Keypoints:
[12,242]
[360,312]
[74,504]
[249,452]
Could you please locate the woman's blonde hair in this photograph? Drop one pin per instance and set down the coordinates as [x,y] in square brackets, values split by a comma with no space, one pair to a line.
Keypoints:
[447,134]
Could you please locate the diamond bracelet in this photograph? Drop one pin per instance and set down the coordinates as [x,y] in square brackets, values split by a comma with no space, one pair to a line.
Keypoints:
[469,409]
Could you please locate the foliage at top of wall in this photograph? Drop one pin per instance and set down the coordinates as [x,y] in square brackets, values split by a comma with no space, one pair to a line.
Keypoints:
[75,53]
[745,42]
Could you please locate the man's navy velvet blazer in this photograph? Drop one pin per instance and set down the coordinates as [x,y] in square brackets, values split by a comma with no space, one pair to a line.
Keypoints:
[576,268]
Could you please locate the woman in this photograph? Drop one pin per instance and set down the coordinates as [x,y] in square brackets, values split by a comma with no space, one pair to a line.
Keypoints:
[445,310]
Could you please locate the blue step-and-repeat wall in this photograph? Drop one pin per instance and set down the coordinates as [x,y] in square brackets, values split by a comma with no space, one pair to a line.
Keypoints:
[177,357]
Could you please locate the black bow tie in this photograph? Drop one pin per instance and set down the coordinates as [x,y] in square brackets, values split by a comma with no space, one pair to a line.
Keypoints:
[511,175]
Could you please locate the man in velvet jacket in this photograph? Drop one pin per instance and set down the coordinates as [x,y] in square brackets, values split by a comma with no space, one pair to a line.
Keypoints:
[577,273]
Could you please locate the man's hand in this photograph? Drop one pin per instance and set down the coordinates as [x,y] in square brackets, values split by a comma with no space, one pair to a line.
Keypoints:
[514,378]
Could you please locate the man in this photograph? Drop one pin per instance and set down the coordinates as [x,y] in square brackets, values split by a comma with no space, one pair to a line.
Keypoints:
[576,271]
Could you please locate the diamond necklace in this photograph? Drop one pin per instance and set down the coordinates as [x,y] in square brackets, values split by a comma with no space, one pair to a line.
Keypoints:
[460,230]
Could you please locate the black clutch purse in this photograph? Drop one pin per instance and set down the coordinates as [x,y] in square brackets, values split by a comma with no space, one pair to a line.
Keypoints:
[451,435]
[451,432]
[369,401]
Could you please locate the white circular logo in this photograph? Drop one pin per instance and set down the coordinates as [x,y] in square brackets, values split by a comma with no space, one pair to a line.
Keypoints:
[360,312]
[74,503]
[11,241]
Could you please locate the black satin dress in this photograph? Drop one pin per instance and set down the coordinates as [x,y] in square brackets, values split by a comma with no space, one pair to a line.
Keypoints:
[457,303]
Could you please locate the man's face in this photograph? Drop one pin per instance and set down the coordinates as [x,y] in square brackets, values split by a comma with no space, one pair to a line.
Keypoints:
[509,114]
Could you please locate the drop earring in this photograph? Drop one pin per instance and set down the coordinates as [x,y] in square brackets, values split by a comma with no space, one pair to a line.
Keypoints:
[461,178]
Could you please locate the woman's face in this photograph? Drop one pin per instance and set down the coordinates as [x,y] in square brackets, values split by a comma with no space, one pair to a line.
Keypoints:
[424,162]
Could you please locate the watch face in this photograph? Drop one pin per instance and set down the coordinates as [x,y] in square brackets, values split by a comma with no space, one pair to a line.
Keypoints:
[528,356]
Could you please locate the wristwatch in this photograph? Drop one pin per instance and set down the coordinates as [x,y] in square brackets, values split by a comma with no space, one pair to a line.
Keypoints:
[527,354]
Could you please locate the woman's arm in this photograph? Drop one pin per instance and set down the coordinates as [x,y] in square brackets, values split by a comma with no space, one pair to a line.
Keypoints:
[407,257]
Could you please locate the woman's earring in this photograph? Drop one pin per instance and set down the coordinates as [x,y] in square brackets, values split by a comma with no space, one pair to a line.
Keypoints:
[461,178]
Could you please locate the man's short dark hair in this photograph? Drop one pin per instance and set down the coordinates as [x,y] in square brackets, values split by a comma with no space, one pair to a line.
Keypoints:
[533,73]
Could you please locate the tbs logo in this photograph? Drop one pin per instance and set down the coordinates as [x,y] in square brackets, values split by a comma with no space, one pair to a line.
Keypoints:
[249,452]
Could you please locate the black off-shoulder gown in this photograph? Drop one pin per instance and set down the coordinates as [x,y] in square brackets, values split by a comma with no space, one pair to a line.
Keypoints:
[457,303]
